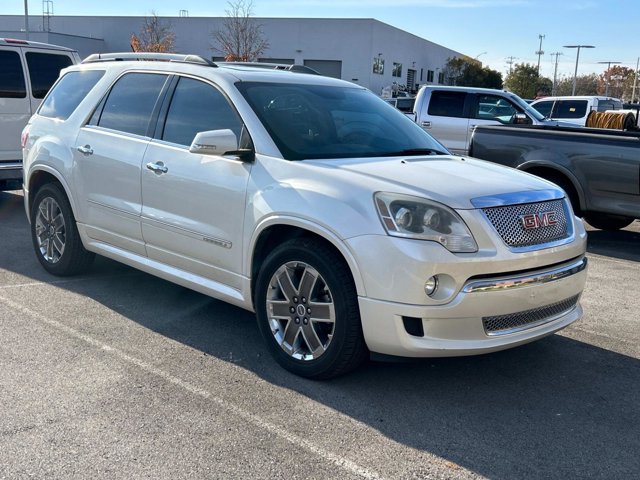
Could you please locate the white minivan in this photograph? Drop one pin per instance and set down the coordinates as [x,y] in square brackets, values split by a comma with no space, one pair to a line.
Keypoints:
[27,71]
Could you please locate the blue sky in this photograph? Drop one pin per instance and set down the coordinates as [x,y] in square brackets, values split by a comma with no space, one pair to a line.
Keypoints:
[501,28]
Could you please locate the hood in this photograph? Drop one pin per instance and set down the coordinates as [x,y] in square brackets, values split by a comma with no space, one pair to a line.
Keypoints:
[447,179]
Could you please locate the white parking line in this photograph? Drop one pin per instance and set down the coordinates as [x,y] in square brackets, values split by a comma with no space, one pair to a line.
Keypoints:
[256,420]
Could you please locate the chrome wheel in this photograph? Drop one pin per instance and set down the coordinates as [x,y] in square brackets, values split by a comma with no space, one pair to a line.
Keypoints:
[50,230]
[300,311]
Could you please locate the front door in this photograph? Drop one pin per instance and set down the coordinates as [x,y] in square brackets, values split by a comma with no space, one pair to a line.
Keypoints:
[193,205]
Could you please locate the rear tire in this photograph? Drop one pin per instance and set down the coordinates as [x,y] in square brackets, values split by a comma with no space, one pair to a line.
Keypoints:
[307,310]
[54,233]
[604,221]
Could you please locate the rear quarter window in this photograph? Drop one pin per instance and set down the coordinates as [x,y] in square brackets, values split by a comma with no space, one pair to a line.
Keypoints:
[44,70]
[68,93]
[447,104]
[11,75]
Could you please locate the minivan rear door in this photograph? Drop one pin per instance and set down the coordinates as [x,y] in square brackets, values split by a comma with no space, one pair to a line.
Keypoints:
[15,108]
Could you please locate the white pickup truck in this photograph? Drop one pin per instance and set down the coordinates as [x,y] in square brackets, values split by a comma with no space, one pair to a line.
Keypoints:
[451,113]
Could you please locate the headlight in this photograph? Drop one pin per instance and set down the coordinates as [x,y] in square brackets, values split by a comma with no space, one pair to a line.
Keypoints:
[414,217]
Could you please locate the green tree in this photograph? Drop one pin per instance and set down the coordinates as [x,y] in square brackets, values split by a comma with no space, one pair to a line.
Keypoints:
[585,85]
[525,82]
[470,73]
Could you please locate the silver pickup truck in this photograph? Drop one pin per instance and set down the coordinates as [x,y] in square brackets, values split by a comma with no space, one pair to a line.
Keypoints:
[599,169]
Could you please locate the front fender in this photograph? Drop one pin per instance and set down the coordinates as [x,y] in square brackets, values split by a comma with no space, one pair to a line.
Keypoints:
[551,165]
[304,224]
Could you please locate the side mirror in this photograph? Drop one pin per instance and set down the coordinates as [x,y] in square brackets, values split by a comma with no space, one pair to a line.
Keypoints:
[219,142]
[521,119]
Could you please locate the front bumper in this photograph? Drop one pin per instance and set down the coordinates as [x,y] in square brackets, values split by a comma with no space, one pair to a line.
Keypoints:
[463,326]
[494,286]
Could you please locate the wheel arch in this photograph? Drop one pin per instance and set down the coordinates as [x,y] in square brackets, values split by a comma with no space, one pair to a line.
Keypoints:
[547,170]
[42,175]
[274,231]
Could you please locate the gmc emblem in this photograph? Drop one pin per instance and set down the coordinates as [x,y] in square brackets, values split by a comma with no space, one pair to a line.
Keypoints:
[537,220]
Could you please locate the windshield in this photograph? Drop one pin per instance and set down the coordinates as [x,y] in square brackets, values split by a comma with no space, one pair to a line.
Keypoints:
[316,121]
[527,108]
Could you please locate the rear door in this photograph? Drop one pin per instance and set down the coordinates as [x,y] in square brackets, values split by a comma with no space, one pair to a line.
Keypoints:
[15,107]
[446,119]
[108,155]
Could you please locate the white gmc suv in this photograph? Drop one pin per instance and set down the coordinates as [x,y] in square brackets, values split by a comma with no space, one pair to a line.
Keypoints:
[339,221]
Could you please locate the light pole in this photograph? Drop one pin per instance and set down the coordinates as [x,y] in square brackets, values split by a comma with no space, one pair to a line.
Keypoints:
[635,82]
[575,73]
[26,19]
[478,55]
[606,89]
[555,72]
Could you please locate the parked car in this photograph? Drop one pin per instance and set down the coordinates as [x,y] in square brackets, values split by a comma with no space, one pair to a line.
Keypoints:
[575,109]
[306,199]
[599,169]
[294,67]
[28,71]
[404,104]
[451,113]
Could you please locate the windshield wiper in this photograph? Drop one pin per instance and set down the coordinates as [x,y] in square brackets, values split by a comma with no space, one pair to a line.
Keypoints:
[414,151]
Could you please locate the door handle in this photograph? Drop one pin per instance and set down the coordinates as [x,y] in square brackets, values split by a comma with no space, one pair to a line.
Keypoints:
[425,124]
[158,167]
[86,150]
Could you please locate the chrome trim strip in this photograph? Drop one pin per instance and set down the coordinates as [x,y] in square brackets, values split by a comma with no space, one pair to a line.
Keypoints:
[221,242]
[514,198]
[11,166]
[544,321]
[538,278]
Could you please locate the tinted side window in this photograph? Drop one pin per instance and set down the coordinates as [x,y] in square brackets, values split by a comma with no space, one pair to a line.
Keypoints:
[608,105]
[44,70]
[11,75]
[130,103]
[447,104]
[571,108]
[198,107]
[68,93]
[544,108]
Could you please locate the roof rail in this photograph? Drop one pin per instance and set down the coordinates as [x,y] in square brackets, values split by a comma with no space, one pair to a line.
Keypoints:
[148,56]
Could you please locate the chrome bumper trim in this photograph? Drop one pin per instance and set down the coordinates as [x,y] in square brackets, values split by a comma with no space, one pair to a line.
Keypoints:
[537,278]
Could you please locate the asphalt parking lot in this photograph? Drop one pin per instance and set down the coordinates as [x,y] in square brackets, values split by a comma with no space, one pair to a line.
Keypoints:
[118,374]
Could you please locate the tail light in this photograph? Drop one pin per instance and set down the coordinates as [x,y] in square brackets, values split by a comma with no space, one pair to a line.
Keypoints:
[24,138]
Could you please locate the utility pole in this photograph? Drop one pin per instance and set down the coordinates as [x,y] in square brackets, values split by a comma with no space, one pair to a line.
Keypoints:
[509,61]
[555,71]
[540,52]
[635,81]
[26,19]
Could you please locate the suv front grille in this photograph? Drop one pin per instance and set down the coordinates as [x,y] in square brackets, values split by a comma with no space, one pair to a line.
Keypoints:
[509,221]
[513,322]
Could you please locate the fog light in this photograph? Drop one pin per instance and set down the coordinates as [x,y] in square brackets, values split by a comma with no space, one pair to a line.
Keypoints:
[431,285]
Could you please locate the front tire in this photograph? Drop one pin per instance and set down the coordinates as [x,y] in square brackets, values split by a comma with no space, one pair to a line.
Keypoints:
[54,233]
[307,310]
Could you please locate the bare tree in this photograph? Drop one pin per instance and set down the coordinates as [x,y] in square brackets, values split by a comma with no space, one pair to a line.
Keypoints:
[240,39]
[155,36]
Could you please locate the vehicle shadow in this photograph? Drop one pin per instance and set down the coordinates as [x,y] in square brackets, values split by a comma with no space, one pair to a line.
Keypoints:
[623,244]
[555,408]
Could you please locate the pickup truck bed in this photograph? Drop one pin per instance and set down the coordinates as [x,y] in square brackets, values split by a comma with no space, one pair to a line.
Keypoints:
[598,169]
